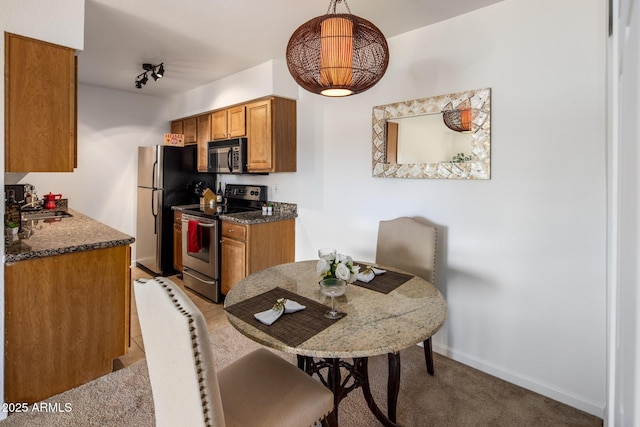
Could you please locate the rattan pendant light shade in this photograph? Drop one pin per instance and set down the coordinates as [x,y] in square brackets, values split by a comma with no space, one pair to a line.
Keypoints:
[459,118]
[337,54]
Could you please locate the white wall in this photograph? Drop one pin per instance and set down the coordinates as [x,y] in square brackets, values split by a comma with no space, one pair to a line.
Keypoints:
[526,267]
[624,220]
[252,83]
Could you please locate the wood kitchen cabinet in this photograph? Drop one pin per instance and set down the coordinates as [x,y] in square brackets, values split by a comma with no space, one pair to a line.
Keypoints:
[177,240]
[203,136]
[67,317]
[177,127]
[40,106]
[271,134]
[246,249]
[228,123]
[187,126]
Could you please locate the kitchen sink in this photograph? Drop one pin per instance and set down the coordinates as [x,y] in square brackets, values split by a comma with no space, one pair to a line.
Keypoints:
[26,216]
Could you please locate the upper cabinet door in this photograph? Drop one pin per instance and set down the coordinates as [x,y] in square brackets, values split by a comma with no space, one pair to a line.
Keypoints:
[259,153]
[219,124]
[228,123]
[237,124]
[271,134]
[176,126]
[40,112]
[190,127]
[204,136]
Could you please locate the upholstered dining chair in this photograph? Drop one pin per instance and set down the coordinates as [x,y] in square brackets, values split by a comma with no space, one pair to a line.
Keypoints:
[259,389]
[409,245]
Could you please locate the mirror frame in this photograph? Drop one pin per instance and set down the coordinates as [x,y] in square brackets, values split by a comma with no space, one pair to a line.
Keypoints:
[479,167]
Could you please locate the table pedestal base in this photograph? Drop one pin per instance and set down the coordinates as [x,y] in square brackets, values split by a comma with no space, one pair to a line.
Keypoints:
[329,371]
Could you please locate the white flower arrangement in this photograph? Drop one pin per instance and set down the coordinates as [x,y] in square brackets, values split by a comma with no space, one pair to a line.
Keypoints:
[337,265]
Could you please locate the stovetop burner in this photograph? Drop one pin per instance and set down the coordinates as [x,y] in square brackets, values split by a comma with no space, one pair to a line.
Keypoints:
[239,198]
[216,211]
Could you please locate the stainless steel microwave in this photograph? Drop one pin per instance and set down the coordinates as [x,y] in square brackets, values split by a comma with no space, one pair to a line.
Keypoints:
[227,156]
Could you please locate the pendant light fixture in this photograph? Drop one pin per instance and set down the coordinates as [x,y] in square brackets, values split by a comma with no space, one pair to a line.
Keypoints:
[337,54]
[460,118]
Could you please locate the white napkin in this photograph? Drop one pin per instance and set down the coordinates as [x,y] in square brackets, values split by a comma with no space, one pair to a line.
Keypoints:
[366,276]
[369,273]
[269,316]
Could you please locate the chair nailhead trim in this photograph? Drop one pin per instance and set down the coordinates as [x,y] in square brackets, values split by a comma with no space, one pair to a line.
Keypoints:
[195,345]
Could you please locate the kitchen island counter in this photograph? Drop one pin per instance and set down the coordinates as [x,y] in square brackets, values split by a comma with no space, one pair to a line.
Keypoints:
[67,235]
[67,294]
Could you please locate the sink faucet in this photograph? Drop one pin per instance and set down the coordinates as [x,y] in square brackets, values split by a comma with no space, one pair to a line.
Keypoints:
[32,204]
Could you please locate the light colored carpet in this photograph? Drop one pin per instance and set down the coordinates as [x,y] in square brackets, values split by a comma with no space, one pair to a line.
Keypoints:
[456,396]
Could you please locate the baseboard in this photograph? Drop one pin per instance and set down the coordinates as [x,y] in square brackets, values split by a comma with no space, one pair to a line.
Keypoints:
[564,396]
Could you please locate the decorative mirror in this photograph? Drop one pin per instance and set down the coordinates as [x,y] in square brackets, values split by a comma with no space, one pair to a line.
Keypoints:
[442,137]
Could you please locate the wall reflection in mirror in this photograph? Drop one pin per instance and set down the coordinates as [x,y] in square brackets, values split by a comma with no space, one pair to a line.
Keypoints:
[442,137]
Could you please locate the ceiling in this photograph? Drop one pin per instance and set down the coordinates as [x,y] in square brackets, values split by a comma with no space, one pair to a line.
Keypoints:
[201,41]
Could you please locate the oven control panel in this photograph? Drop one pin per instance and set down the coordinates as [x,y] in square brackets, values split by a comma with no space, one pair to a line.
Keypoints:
[246,192]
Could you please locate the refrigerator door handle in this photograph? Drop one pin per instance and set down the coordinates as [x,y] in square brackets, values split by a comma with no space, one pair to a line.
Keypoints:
[154,210]
[154,174]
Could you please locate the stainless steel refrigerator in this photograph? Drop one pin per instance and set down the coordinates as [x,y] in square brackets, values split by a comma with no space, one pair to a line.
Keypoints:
[167,176]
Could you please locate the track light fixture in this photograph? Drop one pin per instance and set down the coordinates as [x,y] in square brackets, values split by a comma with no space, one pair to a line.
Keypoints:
[142,78]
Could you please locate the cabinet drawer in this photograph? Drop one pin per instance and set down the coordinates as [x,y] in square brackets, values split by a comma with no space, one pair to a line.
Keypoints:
[234,231]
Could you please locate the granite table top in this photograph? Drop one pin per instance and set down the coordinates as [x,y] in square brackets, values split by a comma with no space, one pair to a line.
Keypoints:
[78,233]
[375,323]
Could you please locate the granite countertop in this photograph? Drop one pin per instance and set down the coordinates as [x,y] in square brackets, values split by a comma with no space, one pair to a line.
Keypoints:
[281,212]
[256,217]
[56,237]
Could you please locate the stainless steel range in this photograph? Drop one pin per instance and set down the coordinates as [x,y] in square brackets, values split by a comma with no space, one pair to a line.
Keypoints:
[201,238]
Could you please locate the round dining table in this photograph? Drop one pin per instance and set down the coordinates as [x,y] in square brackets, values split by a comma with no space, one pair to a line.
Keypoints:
[375,322]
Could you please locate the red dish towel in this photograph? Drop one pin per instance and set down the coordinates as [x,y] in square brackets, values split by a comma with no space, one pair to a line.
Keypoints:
[194,237]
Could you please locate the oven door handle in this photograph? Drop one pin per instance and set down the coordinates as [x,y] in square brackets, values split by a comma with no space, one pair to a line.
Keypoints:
[208,282]
[205,225]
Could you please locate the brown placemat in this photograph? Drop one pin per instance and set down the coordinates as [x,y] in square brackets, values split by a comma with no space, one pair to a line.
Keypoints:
[292,329]
[385,282]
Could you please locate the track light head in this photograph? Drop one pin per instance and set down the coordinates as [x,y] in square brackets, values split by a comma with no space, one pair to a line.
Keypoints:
[142,78]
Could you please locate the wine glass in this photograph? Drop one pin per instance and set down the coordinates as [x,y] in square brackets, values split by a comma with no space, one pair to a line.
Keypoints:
[326,253]
[333,287]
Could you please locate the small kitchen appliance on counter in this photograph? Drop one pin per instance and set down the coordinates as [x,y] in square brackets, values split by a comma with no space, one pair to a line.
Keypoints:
[201,235]
[51,199]
[20,192]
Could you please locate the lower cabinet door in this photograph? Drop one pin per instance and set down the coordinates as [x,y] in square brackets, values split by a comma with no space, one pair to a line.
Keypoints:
[234,263]
[177,247]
